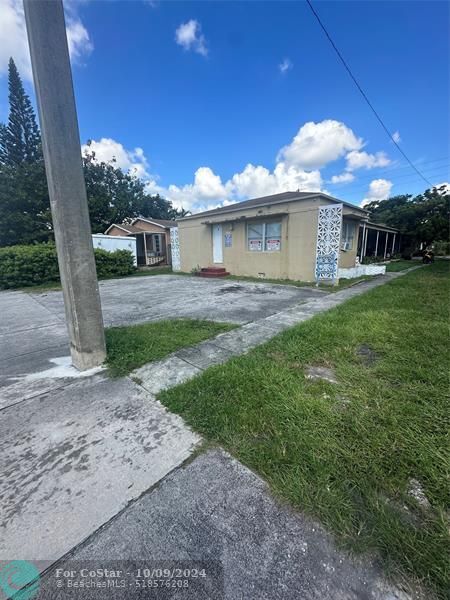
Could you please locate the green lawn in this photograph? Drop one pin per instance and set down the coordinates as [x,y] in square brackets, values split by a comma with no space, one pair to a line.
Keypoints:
[131,347]
[401,265]
[346,453]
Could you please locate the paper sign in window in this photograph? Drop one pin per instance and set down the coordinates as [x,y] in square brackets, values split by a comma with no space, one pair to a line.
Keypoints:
[273,244]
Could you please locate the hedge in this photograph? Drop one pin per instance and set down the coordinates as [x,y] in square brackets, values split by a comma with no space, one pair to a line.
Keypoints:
[23,266]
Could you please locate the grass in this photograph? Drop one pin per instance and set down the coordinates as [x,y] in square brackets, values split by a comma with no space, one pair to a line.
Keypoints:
[131,347]
[401,265]
[345,453]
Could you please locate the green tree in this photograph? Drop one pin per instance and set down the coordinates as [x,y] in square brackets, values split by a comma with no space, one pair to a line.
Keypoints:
[115,196]
[24,204]
[25,217]
[20,140]
[422,219]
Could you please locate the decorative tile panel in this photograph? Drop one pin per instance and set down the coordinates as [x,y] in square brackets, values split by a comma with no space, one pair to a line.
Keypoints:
[175,248]
[328,241]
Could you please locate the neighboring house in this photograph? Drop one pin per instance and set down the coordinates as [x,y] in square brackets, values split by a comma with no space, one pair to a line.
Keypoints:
[152,239]
[292,235]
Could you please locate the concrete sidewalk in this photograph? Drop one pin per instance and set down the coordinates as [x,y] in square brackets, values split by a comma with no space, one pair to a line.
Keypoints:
[214,513]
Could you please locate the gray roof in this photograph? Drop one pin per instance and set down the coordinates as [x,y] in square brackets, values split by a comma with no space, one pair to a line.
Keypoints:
[163,222]
[268,200]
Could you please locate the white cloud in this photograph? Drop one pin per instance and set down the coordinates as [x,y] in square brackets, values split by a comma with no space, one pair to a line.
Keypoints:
[317,144]
[292,170]
[360,160]
[109,151]
[14,42]
[209,191]
[80,44]
[189,36]
[379,189]
[396,137]
[445,185]
[13,38]
[343,178]
[285,66]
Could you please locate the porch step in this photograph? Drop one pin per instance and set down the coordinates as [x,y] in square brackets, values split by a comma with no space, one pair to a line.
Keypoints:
[213,272]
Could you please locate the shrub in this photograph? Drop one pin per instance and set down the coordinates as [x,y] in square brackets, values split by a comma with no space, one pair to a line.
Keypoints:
[113,264]
[442,248]
[23,266]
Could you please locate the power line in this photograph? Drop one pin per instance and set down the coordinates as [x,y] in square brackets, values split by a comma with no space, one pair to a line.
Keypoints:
[391,173]
[350,188]
[349,71]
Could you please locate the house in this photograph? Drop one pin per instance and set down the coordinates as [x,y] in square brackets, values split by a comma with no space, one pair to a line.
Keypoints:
[293,235]
[153,246]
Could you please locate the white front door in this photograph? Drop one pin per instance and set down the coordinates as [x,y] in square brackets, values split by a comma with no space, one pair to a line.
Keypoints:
[217,244]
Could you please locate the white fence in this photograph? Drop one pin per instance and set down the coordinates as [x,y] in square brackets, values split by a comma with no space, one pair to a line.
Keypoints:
[361,270]
[115,242]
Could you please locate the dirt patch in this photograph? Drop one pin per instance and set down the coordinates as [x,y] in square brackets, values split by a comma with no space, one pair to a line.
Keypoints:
[233,289]
[367,355]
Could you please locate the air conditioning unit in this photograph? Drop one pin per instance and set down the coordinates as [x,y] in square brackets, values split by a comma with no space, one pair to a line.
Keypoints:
[345,246]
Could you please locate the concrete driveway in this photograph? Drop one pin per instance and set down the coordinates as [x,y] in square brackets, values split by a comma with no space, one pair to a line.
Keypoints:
[75,448]
[33,332]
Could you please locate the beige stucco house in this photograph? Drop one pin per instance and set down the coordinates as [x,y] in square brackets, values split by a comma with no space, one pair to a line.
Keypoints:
[153,246]
[272,237]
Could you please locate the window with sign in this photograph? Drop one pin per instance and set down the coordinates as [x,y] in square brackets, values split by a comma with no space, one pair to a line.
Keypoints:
[264,237]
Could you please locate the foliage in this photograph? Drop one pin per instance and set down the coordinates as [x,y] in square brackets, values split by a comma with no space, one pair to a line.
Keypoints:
[113,264]
[24,204]
[24,266]
[115,196]
[346,452]
[442,248]
[20,140]
[422,219]
[133,346]
[25,216]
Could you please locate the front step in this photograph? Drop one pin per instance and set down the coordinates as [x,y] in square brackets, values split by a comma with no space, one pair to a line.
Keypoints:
[213,272]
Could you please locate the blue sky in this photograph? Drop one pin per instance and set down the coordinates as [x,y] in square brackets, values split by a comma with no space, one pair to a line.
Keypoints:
[212,102]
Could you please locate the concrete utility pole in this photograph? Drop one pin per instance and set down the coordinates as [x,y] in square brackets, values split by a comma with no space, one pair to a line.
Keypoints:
[62,153]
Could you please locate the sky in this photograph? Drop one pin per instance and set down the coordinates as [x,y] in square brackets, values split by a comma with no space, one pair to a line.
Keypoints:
[215,102]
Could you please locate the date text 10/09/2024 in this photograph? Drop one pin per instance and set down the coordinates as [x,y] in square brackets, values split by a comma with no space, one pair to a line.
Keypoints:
[139,573]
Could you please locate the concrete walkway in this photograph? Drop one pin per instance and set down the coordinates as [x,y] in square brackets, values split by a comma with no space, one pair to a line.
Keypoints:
[79,450]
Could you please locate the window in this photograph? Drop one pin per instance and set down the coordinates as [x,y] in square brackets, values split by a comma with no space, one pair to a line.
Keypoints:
[348,232]
[264,237]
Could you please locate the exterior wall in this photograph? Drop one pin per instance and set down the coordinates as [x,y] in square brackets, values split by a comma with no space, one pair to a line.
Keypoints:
[347,258]
[295,260]
[116,231]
